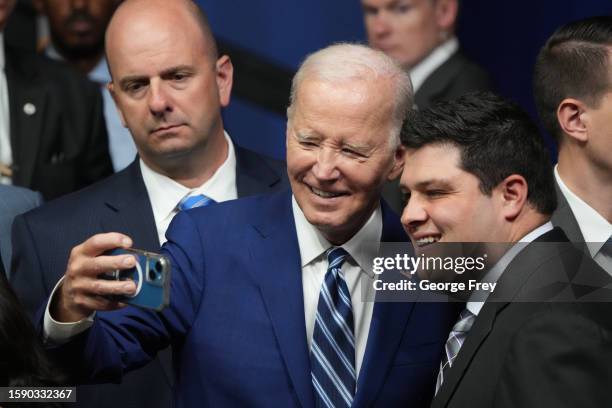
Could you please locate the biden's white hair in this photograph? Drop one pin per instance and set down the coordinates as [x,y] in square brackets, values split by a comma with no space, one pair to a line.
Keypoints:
[346,62]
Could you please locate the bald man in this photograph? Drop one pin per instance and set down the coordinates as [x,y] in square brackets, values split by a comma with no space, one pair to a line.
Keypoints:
[169,86]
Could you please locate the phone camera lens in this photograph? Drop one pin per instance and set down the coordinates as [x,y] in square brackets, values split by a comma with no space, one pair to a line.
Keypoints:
[153,275]
[158,266]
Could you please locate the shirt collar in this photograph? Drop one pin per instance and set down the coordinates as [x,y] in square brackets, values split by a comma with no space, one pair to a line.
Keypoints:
[362,247]
[498,269]
[98,74]
[440,54]
[166,193]
[595,229]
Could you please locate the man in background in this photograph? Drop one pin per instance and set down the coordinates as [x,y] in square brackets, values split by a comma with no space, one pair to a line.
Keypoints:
[573,93]
[77,37]
[169,85]
[52,131]
[420,35]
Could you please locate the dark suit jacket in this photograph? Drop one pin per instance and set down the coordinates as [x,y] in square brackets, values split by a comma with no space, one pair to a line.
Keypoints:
[43,238]
[13,201]
[538,354]
[564,218]
[456,77]
[58,134]
[236,319]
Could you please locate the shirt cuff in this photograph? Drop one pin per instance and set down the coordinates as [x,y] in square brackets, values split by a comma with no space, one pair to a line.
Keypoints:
[57,332]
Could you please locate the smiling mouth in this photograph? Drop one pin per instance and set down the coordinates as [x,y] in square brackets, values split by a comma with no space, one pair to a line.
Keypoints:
[325,194]
[427,240]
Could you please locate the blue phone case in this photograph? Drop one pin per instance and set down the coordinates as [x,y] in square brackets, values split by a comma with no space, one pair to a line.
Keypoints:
[152,278]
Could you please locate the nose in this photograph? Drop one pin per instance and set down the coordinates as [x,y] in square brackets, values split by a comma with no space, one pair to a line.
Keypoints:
[414,214]
[380,24]
[159,101]
[325,168]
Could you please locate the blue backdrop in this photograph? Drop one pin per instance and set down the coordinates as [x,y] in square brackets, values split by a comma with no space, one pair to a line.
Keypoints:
[503,36]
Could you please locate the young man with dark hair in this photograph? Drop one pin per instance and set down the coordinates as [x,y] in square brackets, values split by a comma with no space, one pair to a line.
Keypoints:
[573,93]
[476,170]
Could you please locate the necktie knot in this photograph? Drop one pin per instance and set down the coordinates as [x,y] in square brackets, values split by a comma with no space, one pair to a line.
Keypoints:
[336,257]
[199,200]
[465,322]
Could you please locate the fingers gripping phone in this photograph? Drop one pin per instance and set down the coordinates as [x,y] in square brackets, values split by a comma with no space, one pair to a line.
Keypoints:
[151,275]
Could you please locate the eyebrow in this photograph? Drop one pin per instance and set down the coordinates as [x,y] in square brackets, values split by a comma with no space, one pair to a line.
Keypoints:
[168,71]
[443,183]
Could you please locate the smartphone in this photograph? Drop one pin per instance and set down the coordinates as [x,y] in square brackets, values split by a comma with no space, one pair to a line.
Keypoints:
[151,275]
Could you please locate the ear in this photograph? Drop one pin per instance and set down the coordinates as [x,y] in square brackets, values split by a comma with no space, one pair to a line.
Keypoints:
[570,115]
[111,88]
[512,193]
[446,15]
[398,163]
[225,78]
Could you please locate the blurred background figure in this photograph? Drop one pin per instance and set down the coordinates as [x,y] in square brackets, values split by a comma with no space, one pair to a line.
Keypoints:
[420,35]
[22,359]
[52,131]
[76,30]
[13,201]
[573,93]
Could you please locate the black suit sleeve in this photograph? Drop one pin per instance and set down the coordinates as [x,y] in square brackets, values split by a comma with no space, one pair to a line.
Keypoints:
[559,359]
[27,274]
[95,161]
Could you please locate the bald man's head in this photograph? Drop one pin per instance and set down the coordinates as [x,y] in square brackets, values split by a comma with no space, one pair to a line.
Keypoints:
[143,17]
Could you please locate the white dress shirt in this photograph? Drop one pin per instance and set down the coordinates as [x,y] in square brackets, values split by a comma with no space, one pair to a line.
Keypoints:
[6,153]
[421,71]
[120,143]
[498,269]
[595,229]
[164,194]
[357,272]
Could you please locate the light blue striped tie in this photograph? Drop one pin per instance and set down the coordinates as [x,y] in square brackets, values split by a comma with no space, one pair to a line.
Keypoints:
[332,353]
[194,201]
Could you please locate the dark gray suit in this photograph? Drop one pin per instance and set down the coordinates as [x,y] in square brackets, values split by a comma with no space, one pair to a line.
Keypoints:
[44,237]
[57,128]
[564,218]
[13,201]
[524,350]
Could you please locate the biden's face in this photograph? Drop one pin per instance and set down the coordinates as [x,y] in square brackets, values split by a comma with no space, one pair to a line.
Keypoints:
[340,153]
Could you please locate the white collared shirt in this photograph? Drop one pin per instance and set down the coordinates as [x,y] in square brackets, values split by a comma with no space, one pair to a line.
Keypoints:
[595,229]
[356,270]
[165,193]
[421,71]
[6,152]
[120,142]
[498,269]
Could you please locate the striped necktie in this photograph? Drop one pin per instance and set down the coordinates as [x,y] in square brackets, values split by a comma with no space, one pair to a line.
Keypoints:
[453,344]
[194,201]
[332,351]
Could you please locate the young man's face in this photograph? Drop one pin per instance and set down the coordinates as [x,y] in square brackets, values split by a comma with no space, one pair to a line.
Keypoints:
[444,202]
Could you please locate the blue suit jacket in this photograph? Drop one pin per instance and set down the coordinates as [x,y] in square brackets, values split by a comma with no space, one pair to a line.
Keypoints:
[44,237]
[13,201]
[236,319]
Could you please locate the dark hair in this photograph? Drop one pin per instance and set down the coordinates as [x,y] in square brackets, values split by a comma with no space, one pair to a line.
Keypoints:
[496,139]
[574,63]
[23,362]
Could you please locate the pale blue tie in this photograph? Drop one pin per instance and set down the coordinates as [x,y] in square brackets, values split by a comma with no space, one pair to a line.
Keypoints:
[199,200]
[453,344]
[332,353]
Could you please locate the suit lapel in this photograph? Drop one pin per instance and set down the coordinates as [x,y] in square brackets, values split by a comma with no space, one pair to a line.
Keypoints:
[275,247]
[389,320]
[510,283]
[128,209]
[27,105]
[564,217]
[253,175]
